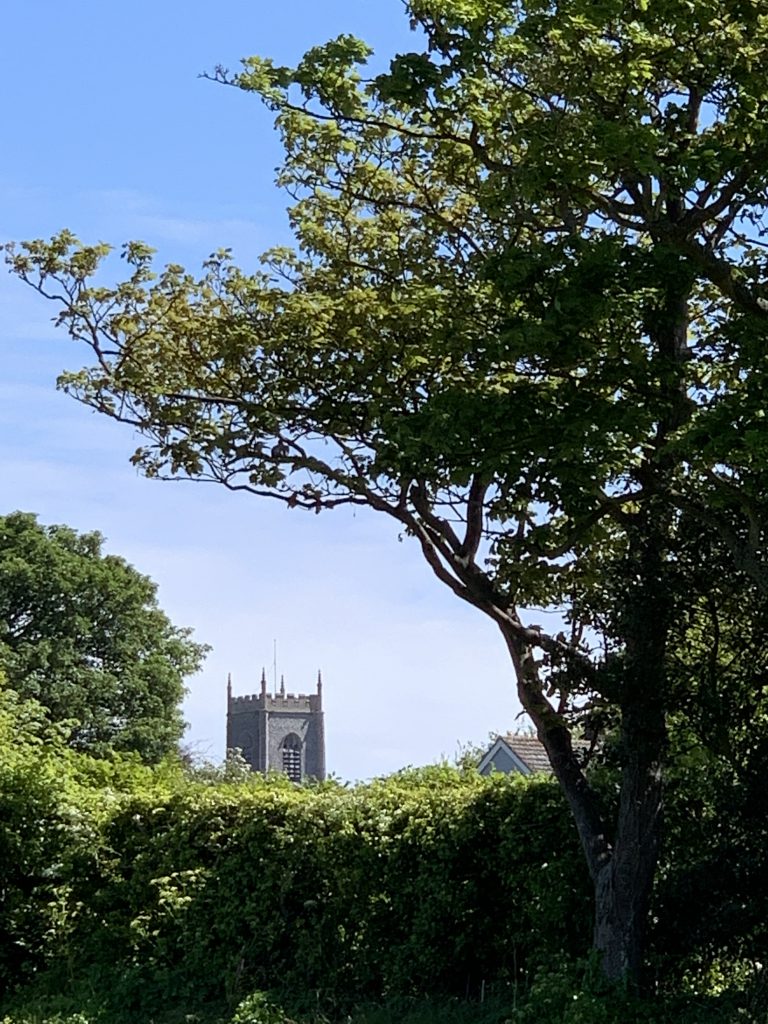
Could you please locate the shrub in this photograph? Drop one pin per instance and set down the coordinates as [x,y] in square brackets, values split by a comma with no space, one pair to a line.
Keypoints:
[430,882]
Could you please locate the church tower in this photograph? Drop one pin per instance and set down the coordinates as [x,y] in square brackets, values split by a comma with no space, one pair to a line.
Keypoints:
[282,731]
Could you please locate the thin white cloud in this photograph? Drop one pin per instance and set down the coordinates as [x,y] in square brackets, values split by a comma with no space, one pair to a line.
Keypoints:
[128,214]
[174,228]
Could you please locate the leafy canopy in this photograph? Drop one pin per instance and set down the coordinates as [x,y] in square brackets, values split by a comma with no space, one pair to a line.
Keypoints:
[489,238]
[525,316]
[81,633]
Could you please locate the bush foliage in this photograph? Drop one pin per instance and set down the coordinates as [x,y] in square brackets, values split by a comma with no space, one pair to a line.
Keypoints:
[152,893]
[156,886]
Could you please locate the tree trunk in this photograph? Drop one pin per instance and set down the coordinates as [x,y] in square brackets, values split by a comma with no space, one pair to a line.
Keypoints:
[622,861]
[622,870]
[623,886]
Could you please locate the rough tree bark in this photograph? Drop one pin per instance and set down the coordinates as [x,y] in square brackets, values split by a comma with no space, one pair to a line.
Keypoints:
[624,883]
[622,865]
[622,861]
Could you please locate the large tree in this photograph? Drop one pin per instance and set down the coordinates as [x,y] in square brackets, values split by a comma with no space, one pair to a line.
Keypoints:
[82,634]
[525,318]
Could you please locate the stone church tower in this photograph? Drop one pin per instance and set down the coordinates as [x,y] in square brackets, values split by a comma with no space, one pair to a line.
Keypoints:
[283,731]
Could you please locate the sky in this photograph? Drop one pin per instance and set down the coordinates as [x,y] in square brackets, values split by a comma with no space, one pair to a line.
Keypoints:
[107,129]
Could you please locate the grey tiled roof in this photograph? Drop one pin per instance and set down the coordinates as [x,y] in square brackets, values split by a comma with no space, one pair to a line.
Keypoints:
[529,750]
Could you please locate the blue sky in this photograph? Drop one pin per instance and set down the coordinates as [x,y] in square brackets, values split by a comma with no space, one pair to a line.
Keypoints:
[107,129]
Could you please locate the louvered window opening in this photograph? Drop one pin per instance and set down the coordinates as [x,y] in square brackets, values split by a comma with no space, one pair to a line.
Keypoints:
[292,763]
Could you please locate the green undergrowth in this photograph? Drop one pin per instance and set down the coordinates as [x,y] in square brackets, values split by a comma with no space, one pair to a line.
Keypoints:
[562,995]
[552,1000]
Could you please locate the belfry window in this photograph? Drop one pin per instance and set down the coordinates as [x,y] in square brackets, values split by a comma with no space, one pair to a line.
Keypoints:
[292,757]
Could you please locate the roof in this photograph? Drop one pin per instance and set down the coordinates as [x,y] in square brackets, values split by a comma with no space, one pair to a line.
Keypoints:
[515,753]
[530,750]
[522,753]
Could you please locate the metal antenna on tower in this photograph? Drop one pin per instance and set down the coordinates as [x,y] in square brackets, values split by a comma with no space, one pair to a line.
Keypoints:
[274,668]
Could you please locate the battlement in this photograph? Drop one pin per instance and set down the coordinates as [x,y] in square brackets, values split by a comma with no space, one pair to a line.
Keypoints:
[279,702]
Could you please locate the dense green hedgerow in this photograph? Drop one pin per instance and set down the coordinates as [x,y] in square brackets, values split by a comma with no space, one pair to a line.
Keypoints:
[156,888]
[395,888]
[144,894]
